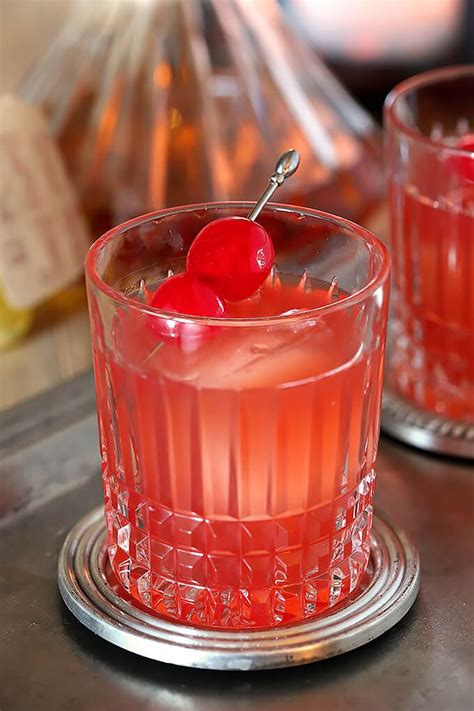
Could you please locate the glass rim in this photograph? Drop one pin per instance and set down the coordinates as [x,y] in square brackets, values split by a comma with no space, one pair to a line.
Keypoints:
[117,296]
[418,81]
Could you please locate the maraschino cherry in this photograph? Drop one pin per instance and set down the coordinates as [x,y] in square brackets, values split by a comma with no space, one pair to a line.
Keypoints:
[228,261]
[233,255]
[184,294]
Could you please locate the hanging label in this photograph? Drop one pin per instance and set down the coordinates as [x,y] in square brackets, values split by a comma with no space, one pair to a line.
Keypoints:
[43,236]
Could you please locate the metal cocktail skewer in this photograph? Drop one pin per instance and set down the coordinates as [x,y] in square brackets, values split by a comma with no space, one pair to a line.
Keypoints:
[286,165]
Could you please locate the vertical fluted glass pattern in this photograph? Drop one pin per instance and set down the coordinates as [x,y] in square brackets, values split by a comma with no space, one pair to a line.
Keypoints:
[170,101]
[238,477]
[431,184]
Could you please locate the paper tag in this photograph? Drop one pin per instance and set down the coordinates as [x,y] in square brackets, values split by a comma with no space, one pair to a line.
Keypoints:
[43,236]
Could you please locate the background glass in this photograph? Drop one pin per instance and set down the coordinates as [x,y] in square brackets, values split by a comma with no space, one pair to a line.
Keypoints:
[238,458]
[431,183]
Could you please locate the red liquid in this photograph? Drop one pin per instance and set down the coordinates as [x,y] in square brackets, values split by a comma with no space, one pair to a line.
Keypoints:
[238,476]
[432,349]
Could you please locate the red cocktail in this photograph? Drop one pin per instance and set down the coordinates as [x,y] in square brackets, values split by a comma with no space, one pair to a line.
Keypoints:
[238,456]
[430,158]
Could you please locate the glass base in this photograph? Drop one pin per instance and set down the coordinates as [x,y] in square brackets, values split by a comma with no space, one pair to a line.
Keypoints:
[424,430]
[238,573]
[386,592]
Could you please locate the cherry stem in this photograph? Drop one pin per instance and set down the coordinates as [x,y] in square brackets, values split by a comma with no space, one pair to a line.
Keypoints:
[286,165]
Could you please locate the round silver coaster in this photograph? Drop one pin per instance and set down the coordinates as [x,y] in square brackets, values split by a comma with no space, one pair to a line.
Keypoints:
[385,595]
[424,430]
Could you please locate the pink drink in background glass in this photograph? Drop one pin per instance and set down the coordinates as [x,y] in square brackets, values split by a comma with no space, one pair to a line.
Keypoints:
[431,185]
[238,459]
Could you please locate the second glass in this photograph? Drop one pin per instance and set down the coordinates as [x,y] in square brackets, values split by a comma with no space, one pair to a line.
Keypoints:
[238,453]
[429,123]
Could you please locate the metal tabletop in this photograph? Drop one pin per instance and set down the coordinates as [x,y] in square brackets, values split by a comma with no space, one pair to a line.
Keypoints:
[49,477]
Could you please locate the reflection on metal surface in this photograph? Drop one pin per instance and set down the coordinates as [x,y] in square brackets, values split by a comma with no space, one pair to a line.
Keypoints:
[425,430]
[388,591]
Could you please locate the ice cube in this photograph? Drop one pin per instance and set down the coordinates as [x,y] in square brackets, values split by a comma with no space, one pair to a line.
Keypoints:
[263,358]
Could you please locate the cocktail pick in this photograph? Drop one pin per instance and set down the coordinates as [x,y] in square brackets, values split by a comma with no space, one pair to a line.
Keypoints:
[285,166]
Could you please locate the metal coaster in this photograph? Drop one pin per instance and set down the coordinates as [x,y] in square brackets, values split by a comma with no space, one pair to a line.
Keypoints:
[424,430]
[387,592]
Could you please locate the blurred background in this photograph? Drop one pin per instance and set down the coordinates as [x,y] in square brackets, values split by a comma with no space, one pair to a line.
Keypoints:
[113,108]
